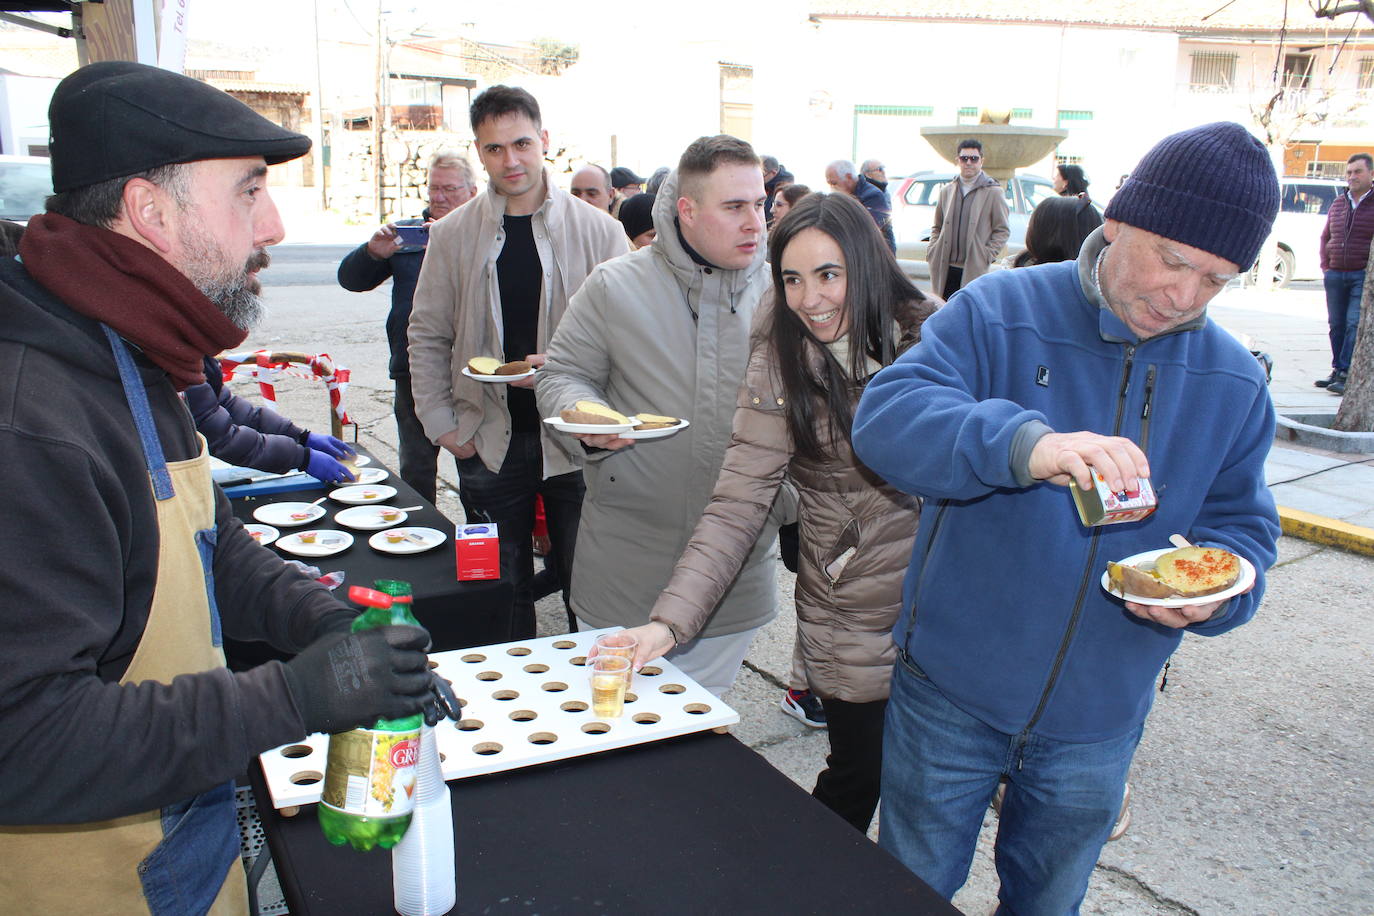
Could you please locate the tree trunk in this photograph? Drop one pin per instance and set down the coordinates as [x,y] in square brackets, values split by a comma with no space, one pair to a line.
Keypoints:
[1356,414]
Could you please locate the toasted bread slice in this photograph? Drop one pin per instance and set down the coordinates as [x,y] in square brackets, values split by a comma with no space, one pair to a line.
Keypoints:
[654,421]
[1194,572]
[519,367]
[592,413]
[484,365]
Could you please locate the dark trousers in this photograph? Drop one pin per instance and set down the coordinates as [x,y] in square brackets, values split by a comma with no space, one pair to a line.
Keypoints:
[954,279]
[507,499]
[850,783]
[419,457]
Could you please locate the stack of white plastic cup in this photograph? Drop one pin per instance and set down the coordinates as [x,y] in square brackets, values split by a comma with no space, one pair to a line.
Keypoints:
[422,864]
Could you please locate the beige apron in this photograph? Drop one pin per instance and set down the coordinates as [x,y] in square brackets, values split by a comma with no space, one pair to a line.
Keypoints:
[102,867]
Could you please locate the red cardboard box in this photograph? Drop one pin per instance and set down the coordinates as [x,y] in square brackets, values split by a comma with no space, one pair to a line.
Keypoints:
[479,552]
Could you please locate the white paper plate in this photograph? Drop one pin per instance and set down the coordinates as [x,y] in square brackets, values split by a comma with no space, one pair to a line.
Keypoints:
[361,461]
[266,534]
[329,543]
[368,518]
[377,493]
[594,428]
[368,475]
[279,514]
[1247,579]
[433,537]
[655,433]
[496,378]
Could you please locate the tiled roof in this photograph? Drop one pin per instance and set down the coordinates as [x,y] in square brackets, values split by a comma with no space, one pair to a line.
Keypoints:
[1171,15]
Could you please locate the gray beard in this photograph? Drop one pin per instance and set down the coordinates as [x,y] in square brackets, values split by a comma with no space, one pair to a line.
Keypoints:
[241,305]
[234,291]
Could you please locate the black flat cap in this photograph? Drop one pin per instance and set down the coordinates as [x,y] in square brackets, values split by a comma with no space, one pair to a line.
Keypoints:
[117,118]
[621,176]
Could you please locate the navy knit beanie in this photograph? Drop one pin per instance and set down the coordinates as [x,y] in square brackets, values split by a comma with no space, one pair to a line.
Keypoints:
[1212,187]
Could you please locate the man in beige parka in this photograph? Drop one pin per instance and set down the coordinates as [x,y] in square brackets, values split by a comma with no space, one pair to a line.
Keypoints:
[665,330]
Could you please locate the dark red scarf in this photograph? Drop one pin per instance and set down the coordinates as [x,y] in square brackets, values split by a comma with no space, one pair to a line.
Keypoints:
[114,279]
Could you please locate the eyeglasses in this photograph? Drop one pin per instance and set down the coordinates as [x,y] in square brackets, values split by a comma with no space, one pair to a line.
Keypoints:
[447,190]
[970,158]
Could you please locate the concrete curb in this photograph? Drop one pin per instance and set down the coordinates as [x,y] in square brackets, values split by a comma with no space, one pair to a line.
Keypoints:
[1315,430]
[1322,530]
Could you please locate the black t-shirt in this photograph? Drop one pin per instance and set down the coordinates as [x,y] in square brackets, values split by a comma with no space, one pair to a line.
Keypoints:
[520,275]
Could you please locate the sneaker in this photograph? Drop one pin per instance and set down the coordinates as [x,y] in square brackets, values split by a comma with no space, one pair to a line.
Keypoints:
[1337,387]
[803,706]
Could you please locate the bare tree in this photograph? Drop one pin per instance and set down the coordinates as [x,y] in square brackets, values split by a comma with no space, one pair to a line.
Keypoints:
[1356,413]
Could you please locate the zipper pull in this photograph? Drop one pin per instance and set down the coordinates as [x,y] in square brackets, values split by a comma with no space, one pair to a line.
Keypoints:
[1149,393]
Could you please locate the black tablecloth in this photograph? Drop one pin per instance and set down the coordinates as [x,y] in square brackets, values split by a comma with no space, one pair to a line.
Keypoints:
[694,825]
[457,614]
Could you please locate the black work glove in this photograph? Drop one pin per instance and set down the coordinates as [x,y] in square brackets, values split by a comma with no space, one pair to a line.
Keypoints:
[353,679]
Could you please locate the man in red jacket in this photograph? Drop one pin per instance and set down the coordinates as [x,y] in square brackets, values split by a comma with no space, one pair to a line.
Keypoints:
[1344,251]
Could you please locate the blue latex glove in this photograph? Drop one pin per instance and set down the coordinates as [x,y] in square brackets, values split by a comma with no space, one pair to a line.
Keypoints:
[335,448]
[325,468]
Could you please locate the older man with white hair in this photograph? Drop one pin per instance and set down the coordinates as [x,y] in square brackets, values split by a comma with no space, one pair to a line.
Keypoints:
[842,176]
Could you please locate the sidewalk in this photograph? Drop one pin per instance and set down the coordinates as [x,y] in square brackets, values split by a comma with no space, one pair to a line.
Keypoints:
[1324,497]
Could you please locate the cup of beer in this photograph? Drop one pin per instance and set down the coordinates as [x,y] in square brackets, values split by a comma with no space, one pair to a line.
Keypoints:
[620,644]
[609,675]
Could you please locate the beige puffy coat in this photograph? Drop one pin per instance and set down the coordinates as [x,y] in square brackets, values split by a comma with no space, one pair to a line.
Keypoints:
[845,622]
[656,332]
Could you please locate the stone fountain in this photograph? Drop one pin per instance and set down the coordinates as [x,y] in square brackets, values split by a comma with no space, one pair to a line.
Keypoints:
[1006,147]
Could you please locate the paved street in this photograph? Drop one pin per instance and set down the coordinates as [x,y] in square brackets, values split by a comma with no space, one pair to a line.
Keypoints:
[1252,789]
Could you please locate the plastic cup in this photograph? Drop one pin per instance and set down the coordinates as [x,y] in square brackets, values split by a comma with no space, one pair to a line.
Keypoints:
[620,644]
[609,674]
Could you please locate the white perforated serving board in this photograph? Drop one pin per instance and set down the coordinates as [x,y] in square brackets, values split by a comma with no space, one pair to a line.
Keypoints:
[500,687]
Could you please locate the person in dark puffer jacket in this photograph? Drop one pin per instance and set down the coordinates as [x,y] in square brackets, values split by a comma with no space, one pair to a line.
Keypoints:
[255,437]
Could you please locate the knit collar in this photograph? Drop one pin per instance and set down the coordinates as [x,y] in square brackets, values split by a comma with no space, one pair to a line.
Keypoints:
[128,286]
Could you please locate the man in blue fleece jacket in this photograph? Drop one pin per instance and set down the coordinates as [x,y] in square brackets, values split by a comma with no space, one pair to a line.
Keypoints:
[1015,664]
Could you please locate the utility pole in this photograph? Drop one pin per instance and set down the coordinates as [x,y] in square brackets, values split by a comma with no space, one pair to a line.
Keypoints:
[379,106]
[319,119]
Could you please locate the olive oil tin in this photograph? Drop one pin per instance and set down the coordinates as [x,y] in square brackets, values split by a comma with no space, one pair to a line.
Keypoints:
[1103,506]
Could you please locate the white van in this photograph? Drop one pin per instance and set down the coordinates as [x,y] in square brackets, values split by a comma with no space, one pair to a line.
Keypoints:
[1303,204]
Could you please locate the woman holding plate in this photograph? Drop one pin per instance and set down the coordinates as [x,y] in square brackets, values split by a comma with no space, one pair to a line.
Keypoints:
[841,310]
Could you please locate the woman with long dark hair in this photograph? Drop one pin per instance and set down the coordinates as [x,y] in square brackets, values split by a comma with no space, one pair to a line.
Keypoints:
[841,310]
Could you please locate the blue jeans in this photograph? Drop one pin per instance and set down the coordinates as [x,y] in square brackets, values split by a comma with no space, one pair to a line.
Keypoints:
[941,767]
[1343,291]
[507,499]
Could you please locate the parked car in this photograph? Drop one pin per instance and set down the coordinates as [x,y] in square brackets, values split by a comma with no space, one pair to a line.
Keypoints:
[1303,204]
[913,209]
[25,183]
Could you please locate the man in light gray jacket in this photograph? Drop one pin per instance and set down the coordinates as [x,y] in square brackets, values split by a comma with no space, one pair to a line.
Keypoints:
[665,331]
[495,282]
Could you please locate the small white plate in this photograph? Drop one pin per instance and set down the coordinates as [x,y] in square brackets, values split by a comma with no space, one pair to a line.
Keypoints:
[266,534]
[368,518]
[360,461]
[594,428]
[655,433]
[368,475]
[280,514]
[328,543]
[1242,584]
[363,495]
[430,537]
[496,378]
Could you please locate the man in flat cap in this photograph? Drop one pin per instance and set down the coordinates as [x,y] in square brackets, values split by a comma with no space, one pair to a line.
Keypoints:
[121,565]
[1015,665]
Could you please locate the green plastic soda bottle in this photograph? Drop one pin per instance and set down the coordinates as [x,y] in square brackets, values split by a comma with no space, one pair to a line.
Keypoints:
[369,777]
